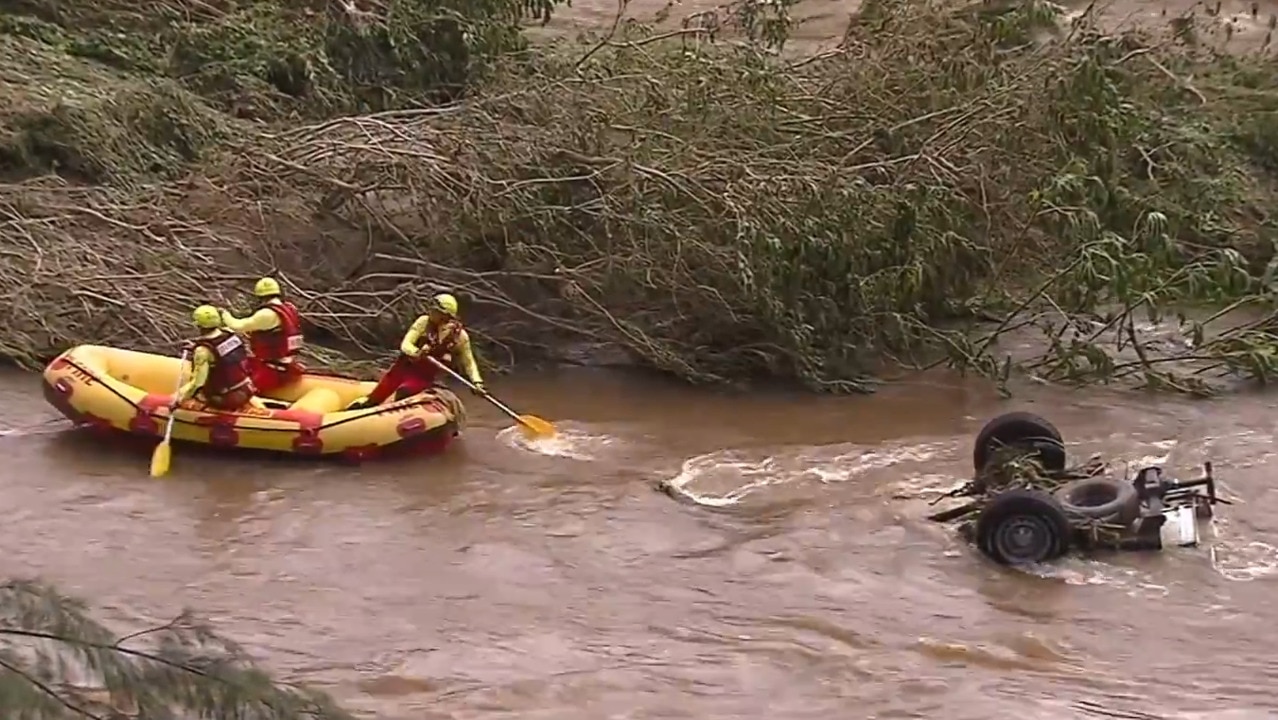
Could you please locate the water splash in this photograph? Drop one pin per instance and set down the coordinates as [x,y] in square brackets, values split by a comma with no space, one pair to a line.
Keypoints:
[925,486]
[48,427]
[746,474]
[1242,561]
[567,442]
[1089,571]
[725,477]
[1167,446]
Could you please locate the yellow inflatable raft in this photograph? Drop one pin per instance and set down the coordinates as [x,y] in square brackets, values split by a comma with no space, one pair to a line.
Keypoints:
[123,391]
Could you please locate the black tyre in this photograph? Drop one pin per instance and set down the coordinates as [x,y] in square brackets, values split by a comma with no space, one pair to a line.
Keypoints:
[1024,430]
[1100,498]
[1023,527]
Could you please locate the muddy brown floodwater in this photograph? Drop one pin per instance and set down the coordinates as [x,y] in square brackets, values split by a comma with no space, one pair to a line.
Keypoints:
[501,582]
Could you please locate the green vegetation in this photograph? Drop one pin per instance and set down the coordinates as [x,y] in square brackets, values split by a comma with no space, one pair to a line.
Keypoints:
[952,175]
[56,663]
[117,92]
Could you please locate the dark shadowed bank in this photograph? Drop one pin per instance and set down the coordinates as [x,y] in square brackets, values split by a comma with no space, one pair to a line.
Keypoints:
[711,209]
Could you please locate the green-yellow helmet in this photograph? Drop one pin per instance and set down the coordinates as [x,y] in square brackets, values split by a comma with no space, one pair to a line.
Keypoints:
[207,317]
[266,287]
[446,304]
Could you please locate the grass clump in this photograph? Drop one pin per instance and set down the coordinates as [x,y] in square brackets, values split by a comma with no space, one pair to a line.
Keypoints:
[92,124]
[112,93]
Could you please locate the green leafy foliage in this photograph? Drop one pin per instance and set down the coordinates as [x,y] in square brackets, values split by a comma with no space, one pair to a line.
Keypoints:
[108,92]
[49,645]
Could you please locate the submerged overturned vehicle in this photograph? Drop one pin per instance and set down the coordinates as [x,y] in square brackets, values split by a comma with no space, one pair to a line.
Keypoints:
[1028,505]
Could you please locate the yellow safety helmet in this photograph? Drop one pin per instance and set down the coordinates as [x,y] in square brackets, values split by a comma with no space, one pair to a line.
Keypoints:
[446,304]
[266,287]
[207,317]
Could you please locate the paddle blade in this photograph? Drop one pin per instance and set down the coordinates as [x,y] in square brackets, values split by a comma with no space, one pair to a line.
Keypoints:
[536,428]
[160,459]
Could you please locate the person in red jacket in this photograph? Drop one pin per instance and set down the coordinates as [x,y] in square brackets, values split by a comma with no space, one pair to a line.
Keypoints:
[436,335]
[275,336]
[221,375]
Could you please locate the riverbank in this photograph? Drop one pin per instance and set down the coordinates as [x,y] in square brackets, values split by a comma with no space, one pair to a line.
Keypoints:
[704,209]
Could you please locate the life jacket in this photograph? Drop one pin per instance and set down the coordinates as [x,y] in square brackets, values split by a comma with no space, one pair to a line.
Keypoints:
[278,345]
[442,339]
[230,381]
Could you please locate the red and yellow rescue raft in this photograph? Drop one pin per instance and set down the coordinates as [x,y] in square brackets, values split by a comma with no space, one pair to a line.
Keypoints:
[113,390]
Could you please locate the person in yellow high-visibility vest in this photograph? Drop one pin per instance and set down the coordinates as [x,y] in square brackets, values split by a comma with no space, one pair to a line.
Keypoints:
[438,334]
[275,335]
[221,376]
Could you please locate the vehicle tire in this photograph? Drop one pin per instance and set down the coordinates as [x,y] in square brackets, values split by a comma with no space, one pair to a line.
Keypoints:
[1020,429]
[1100,498]
[1023,527]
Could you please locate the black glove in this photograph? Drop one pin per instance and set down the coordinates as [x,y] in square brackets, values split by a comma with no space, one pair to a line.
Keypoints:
[478,389]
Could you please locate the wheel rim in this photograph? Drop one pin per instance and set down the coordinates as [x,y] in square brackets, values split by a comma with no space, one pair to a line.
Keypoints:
[1024,539]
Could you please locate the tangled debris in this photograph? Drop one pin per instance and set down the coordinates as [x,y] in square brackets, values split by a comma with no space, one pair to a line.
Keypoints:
[947,178]
[1015,468]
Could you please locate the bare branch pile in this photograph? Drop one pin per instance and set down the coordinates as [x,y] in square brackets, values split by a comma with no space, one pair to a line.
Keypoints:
[721,214]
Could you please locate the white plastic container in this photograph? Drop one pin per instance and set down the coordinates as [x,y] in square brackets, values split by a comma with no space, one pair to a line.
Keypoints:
[1181,528]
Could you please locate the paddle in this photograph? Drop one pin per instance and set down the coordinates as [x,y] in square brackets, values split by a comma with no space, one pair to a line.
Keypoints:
[163,454]
[532,425]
